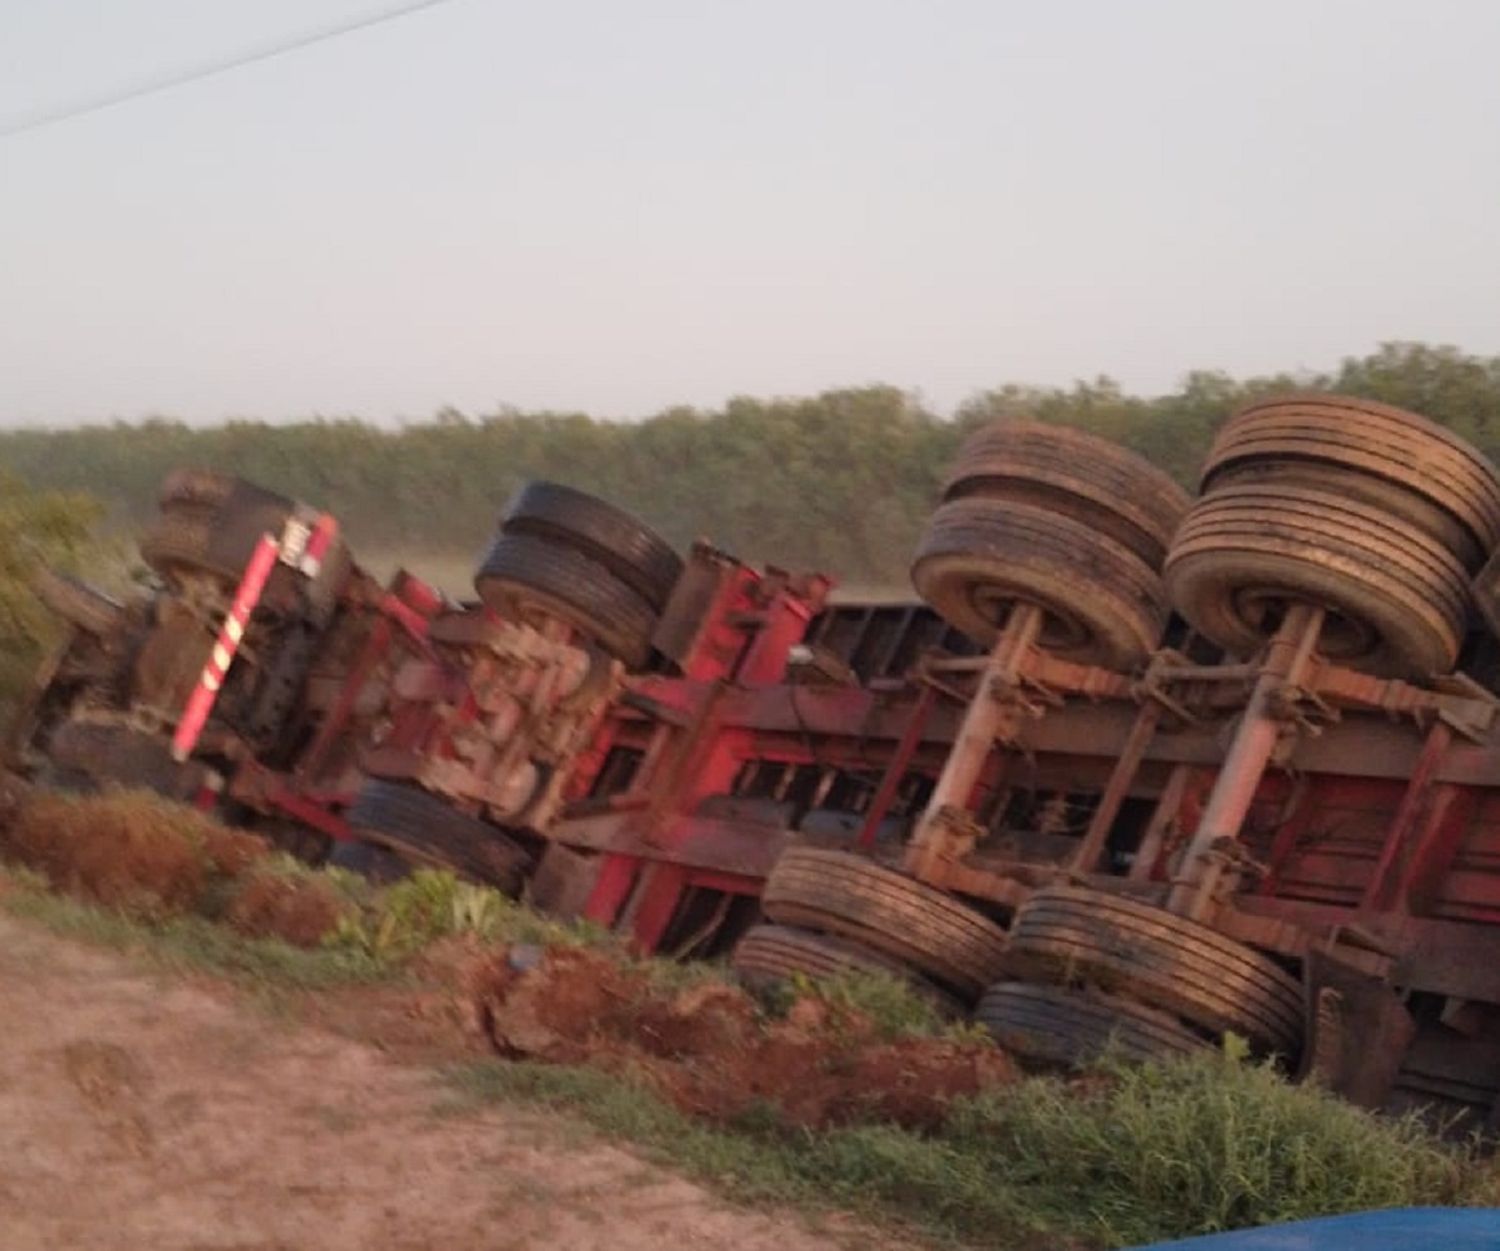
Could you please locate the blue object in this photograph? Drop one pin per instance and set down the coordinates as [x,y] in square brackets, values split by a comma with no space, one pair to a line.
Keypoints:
[1397,1229]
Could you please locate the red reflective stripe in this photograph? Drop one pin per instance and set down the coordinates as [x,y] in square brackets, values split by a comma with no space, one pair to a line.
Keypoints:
[322,538]
[200,703]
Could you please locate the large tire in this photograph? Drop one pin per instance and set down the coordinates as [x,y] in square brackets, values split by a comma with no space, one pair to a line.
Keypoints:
[629,549]
[425,829]
[523,576]
[211,523]
[1399,599]
[111,753]
[299,841]
[381,865]
[838,893]
[1436,471]
[205,490]
[92,611]
[1071,935]
[779,952]
[979,557]
[1079,475]
[1058,1025]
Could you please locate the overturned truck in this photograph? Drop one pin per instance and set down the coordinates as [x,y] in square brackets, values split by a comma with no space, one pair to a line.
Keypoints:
[1138,769]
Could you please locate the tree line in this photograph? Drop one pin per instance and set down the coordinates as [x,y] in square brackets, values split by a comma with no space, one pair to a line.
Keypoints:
[841,481]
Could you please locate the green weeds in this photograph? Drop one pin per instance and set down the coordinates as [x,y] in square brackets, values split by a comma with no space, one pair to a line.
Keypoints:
[1127,1155]
[190,943]
[1121,1155]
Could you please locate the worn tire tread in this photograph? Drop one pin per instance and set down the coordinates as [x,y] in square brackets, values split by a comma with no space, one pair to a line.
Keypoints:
[845,895]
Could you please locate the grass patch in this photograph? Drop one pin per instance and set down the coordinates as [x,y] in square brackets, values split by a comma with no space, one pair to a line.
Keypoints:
[739,1163]
[430,904]
[191,943]
[1123,1155]
[1133,1154]
[1199,1145]
[130,850]
[890,1004]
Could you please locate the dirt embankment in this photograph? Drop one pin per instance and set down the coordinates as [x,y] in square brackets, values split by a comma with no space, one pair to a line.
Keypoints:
[710,1051]
[153,859]
[144,1115]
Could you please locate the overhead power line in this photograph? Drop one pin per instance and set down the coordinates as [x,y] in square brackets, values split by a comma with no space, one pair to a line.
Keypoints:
[164,82]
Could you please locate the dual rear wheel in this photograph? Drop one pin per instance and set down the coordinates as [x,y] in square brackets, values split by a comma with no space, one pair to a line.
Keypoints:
[1093,940]
[1376,515]
[561,554]
[834,912]
[1044,515]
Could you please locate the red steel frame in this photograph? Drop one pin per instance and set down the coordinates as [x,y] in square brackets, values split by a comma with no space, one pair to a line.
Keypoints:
[1368,804]
[314,792]
[1382,817]
[1289,801]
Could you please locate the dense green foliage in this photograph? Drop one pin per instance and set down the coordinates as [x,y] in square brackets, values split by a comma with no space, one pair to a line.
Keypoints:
[1133,1154]
[36,528]
[841,481]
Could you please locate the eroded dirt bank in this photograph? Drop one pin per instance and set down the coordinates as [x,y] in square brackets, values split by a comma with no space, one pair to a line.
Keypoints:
[138,1112]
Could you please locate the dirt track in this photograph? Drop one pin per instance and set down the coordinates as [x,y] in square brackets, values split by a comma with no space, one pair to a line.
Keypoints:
[140,1113]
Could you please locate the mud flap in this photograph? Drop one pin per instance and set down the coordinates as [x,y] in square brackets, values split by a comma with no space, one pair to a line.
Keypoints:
[1358,1030]
[563,881]
[1487,593]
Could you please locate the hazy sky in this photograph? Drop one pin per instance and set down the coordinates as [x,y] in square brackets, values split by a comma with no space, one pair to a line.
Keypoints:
[615,205]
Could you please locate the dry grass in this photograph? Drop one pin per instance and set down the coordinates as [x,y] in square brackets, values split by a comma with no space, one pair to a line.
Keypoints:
[132,851]
[153,859]
[301,909]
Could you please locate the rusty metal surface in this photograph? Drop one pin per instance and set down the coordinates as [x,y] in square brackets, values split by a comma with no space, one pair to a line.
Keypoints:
[1358,1031]
[698,842]
[1205,859]
[883,642]
[563,881]
[1486,592]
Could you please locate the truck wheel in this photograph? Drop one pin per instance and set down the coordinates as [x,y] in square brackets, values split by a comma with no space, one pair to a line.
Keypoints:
[838,893]
[423,828]
[1398,461]
[523,577]
[381,865]
[1079,475]
[110,753]
[776,953]
[980,557]
[628,548]
[1059,1025]
[1070,935]
[1398,599]
[76,602]
[211,523]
